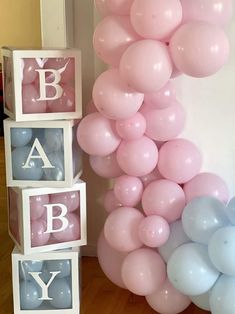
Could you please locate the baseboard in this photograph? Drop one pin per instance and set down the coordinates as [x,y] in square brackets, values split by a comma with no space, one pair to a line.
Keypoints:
[89,250]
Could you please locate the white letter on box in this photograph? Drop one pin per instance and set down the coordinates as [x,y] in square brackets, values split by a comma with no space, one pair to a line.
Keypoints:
[61,217]
[43,84]
[42,155]
[42,284]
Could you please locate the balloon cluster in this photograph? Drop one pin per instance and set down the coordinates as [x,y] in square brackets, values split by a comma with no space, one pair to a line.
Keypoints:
[131,133]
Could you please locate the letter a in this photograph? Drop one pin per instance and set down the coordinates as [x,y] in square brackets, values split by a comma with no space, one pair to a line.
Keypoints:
[43,84]
[61,217]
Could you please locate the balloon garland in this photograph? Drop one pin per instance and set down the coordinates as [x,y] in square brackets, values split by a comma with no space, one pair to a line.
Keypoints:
[169,250]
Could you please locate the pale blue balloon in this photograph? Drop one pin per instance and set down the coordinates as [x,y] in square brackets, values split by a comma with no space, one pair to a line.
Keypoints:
[64,266]
[61,293]
[230,211]
[19,158]
[56,173]
[222,250]
[202,217]
[29,296]
[20,136]
[39,133]
[202,301]
[54,139]
[177,237]
[222,299]
[29,266]
[190,270]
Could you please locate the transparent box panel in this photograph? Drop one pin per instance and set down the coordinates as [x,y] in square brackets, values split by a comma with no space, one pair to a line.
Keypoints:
[14,221]
[8,83]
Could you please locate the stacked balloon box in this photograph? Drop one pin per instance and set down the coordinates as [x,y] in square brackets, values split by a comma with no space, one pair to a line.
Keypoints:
[46,198]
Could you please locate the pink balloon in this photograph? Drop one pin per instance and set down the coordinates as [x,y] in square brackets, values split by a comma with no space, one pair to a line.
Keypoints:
[110,261]
[37,207]
[128,190]
[206,184]
[143,271]
[121,229]
[138,157]
[30,102]
[29,67]
[111,202]
[152,176]
[105,166]
[217,12]
[161,99]
[199,49]
[71,233]
[97,136]
[65,66]
[66,103]
[156,19]
[113,98]
[165,124]
[146,74]
[179,160]
[108,47]
[168,300]
[39,237]
[121,7]
[70,199]
[132,128]
[164,198]
[102,7]
[90,108]
[154,231]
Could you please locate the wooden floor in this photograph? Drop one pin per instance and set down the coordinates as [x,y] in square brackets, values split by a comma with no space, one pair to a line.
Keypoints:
[99,295]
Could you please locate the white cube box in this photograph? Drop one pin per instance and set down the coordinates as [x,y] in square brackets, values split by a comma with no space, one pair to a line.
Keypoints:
[45,219]
[46,283]
[42,153]
[42,84]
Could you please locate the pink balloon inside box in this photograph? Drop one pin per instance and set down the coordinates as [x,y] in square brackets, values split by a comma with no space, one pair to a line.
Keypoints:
[42,84]
[47,219]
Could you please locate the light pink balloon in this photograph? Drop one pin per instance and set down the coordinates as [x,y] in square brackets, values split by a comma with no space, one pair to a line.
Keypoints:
[70,199]
[120,7]
[138,157]
[111,202]
[143,271]
[65,66]
[146,74]
[102,7]
[161,99]
[165,124]
[90,108]
[97,135]
[164,198]
[30,102]
[132,128]
[128,190]
[179,160]
[217,12]
[105,166]
[152,176]
[37,207]
[29,67]
[108,47]
[71,233]
[206,184]
[121,229]
[154,231]
[156,19]
[110,261]
[199,49]
[113,98]
[168,300]
[66,103]
[39,237]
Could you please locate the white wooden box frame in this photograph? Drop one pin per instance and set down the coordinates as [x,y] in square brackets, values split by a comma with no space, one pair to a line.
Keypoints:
[24,219]
[67,126]
[73,255]
[16,55]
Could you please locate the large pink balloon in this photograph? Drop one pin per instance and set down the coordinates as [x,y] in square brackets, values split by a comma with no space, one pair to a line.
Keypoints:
[97,136]
[108,47]
[143,271]
[39,237]
[206,184]
[121,229]
[110,261]
[138,157]
[164,198]
[121,7]
[105,166]
[168,300]
[156,19]
[146,66]
[128,190]
[113,98]
[199,49]
[30,102]
[111,202]
[102,7]
[132,128]
[165,124]
[212,11]
[70,199]
[37,207]
[179,160]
